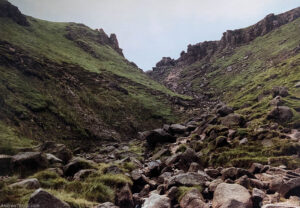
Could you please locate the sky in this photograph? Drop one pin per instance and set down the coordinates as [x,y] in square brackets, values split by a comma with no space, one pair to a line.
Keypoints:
[148,30]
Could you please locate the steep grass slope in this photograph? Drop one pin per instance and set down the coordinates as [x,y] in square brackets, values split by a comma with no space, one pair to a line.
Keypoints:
[65,81]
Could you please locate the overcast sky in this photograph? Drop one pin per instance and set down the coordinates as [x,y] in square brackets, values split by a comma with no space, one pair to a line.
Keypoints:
[147,30]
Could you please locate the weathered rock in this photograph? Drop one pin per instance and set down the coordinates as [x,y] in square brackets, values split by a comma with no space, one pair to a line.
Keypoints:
[157,201]
[177,129]
[160,153]
[158,136]
[280,91]
[53,159]
[25,162]
[231,195]
[194,167]
[277,101]
[213,185]
[221,141]
[145,191]
[124,198]
[107,205]
[164,177]
[233,120]
[243,181]
[214,173]
[189,179]
[256,168]
[257,197]
[59,150]
[289,187]
[193,199]
[297,85]
[153,168]
[281,114]
[82,174]
[230,173]
[31,183]
[10,11]
[224,110]
[185,159]
[113,169]
[41,198]
[172,193]
[75,165]
[243,141]
[5,164]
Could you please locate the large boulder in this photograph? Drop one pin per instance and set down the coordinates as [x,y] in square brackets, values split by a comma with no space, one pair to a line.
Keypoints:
[59,150]
[231,195]
[281,114]
[289,187]
[189,179]
[5,164]
[28,162]
[31,183]
[193,199]
[233,120]
[41,198]
[158,136]
[157,201]
[77,164]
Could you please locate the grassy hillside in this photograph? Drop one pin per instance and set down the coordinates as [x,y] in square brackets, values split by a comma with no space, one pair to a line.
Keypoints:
[57,88]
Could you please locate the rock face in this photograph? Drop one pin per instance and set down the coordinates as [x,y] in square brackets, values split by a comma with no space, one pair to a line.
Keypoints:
[157,201]
[231,195]
[10,11]
[168,71]
[41,198]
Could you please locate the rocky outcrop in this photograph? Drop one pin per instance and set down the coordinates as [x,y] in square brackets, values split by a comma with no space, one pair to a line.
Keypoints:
[41,198]
[168,71]
[77,31]
[10,11]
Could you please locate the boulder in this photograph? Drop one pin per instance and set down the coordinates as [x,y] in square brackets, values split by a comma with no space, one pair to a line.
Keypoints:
[280,114]
[230,173]
[153,168]
[289,187]
[224,110]
[214,173]
[107,205]
[5,164]
[277,101]
[28,162]
[158,136]
[221,141]
[280,91]
[256,168]
[41,198]
[185,159]
[59,150]
[53,159]
[189,179]
[31,183]
[77,164]
[193,199]
[232,120]
[213,185]
[157,201]
[177,129]
[194,167]
[231,195]
[82,174]
[297,85]
[124,198]
[257,197]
